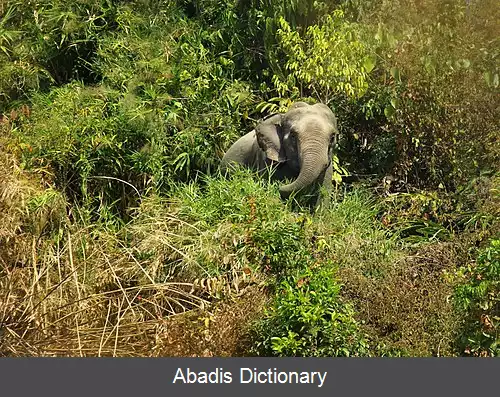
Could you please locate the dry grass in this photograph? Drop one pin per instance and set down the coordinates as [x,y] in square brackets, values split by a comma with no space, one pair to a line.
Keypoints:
[222,332]
[408,306]
[69,290]
[64,303]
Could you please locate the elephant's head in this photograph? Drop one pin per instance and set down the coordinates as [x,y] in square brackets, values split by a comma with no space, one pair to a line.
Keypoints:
[303,137]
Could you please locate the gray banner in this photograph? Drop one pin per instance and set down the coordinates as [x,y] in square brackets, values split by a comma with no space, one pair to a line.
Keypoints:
[246,376]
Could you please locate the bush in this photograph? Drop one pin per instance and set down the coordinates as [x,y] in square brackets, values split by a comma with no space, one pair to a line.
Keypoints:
[50,42]
[241,199]
[433,81]
[477,297]
[309,319]
[251,221]
[328,62]
[83,137]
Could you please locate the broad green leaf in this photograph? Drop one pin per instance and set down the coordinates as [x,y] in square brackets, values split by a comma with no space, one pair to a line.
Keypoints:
[369,63]
[395,103]
[389,111]
[395,73]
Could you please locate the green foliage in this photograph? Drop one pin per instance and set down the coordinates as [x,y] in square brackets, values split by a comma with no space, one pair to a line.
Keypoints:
[329,60]
[356,211]
[280,244]
[153,119]
[309,319]
[126,107]
[419,217]
[350,233]
[274,238]
[83,136]
[161,64]
[181,82]
[478,299]
[433,61]
[428,216]
[50,41]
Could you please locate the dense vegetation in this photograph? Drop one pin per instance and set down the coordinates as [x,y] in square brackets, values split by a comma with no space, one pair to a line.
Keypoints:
[119,237]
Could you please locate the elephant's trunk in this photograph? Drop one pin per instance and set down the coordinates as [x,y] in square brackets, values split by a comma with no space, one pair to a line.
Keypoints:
[314,162]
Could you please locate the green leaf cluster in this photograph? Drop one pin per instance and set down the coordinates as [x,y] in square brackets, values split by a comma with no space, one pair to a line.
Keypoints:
[478,297]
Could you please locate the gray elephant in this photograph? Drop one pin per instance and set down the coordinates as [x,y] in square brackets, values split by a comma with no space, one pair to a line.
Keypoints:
[297,145]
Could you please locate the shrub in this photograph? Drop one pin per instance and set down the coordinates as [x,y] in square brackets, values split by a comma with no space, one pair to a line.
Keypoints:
[52,41]
[183,81]
[309,319]
[251,221]
[329,61]
[82,136]
[241,199]
[432,82]
[477,297]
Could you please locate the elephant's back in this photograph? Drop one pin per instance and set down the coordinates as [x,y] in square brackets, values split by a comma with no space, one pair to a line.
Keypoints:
[242,151]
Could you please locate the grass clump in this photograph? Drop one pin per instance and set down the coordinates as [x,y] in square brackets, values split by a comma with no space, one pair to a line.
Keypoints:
[243,198]
[72,288]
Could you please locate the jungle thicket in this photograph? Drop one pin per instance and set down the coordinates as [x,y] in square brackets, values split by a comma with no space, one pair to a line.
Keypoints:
[118,236]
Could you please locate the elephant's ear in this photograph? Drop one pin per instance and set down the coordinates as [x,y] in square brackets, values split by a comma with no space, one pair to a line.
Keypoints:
[269,137]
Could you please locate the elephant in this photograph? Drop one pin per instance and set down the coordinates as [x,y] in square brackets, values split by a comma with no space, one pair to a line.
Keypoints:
[296,145]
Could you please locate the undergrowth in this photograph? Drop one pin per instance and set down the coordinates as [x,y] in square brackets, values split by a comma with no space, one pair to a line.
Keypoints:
[118,236]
